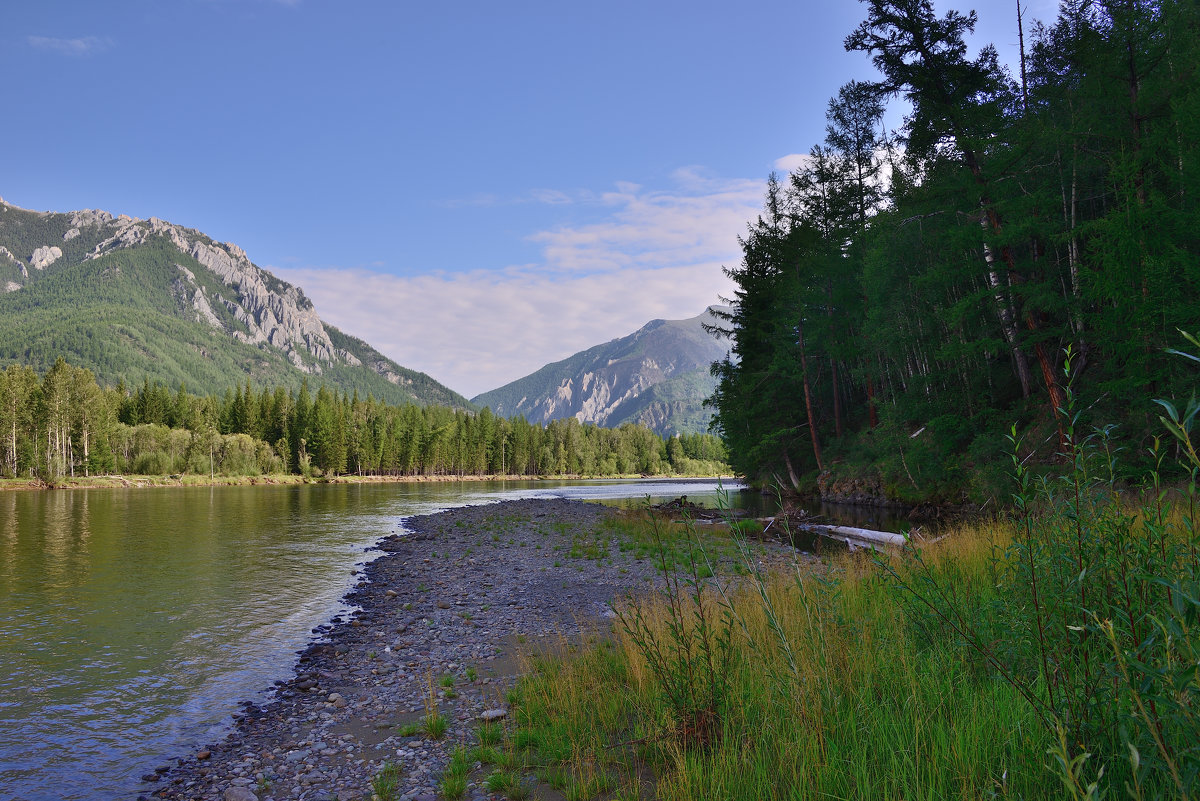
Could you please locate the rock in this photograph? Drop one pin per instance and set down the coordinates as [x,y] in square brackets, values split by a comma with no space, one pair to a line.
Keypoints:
[493,714]
[70,234]
[240,794]
[44,256]
[203,754]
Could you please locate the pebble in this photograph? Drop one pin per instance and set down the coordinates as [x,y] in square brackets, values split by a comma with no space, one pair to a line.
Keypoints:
[326,733]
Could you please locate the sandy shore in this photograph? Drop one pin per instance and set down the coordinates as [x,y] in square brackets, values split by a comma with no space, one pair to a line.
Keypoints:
[456,597]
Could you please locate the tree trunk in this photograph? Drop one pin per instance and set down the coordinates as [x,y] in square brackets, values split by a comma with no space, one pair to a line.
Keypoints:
[812,426]
[1007,315]
[795,479]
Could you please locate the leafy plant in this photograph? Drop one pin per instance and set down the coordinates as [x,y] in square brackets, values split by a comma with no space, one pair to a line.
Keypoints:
[1101,601]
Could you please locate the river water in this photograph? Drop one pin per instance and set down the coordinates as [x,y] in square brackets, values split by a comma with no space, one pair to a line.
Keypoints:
[133,621]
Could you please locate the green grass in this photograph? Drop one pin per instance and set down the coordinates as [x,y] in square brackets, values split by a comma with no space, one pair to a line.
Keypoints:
[454,778]
[490,733]
[386,784]
[860,709]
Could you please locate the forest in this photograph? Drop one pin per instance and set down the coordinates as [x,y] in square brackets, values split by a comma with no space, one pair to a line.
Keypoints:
[65,424]
[906,297]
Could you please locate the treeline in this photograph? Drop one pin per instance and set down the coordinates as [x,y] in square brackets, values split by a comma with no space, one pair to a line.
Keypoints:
[64,423]
[905,298]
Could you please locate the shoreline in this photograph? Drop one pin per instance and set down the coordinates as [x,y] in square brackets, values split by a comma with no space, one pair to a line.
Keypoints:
[460,595]
[283,479]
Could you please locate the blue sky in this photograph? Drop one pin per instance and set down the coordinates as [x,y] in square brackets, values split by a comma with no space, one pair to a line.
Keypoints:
[475,188]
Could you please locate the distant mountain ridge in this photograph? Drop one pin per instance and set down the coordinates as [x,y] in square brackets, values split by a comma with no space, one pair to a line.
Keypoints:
[134,299]
[657,376]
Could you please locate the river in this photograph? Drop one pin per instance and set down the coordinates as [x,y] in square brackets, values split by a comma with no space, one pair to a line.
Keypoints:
[133,621]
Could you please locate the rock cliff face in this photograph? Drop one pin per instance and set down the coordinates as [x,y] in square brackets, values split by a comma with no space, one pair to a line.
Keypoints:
[657,376]
[212,284]
[267,309]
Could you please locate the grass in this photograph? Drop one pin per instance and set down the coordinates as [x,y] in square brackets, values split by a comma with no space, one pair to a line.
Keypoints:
[840,700]
[902,676]
[454,778]
[490,733]
[386,784]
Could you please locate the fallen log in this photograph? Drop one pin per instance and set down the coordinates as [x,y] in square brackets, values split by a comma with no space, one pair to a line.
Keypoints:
[852,537]
[860,537]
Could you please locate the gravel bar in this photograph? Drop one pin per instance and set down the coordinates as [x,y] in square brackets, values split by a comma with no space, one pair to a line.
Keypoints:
[460,589]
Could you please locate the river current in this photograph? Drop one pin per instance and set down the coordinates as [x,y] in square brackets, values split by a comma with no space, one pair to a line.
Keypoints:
[133,621]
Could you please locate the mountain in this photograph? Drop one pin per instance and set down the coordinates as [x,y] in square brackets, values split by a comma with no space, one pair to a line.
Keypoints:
[657,377]
[136,299]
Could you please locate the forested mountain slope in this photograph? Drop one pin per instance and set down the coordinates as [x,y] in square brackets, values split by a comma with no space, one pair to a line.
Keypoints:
[137,299]
[657,376]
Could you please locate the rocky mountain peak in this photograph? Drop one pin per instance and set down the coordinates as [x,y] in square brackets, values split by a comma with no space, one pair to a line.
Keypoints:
[224,308]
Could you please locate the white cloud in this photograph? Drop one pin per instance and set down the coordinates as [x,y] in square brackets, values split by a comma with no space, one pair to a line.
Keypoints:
[792,162]
[83,46]
[659,254]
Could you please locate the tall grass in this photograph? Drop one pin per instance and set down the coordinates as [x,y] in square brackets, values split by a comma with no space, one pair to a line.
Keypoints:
[853,706]
[1051,653]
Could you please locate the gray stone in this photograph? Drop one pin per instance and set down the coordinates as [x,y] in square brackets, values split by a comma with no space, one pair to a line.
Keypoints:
[240,794]
[44,256]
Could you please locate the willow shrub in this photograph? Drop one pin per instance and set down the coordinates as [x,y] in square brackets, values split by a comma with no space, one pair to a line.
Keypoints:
[1095,618]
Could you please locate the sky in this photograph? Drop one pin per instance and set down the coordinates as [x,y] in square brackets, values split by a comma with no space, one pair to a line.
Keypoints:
[474,188]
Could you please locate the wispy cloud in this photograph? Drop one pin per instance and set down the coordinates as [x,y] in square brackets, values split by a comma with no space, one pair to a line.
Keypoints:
[792,162]
[550,197]
[657,254]
[693,223]
[82,46]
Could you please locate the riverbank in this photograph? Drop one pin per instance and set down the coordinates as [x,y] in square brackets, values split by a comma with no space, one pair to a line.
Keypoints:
[443,616]
[196,480]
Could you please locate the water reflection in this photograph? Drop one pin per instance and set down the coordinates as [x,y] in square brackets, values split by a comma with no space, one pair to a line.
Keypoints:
[133,620]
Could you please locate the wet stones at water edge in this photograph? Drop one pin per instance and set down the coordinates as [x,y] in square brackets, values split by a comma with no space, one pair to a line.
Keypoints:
[440,616]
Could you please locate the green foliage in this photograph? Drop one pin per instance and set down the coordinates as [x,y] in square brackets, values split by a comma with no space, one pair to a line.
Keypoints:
[152,430]
[1017,221]
[1095,618]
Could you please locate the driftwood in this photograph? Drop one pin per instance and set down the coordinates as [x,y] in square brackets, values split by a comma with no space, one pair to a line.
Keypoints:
[861,537]
[853,537]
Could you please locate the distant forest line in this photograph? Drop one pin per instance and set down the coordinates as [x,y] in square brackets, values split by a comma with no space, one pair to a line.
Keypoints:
[906,297]
[65,424]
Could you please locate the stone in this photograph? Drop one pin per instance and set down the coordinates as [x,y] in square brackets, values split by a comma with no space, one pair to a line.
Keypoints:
[240,794]
[203,754]
[44,256]
[493,714]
